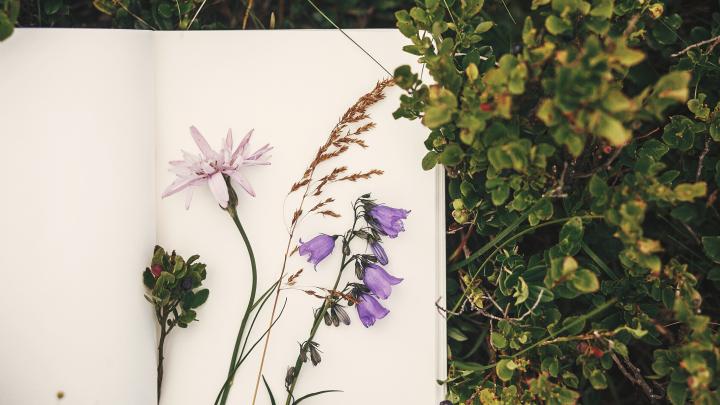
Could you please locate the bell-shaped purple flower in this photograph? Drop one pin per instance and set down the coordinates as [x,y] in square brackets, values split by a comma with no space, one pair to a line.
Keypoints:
[317,248]
[379,252]
[369,310]
[387,220]
[379,281]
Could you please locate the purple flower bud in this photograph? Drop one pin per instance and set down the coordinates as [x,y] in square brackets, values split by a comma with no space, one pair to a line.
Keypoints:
[379,281]
[369,310]
[317,248]
[379,253]
[387,220]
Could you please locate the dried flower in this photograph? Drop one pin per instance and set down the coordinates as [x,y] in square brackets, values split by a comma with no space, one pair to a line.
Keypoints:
[317,248]
[387,220]
[379,252]
[312,347]
[213,167]
[379,281]
[155,270]
[369,310]
[335,315]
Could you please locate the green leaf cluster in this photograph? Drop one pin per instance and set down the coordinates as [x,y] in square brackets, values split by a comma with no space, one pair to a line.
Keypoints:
[581,141]
[173,286]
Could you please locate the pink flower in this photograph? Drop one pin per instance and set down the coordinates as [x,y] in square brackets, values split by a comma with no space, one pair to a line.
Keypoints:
[211,167]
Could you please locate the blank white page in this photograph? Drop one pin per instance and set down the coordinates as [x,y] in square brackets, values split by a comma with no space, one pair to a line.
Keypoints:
[77,222]
[292,87]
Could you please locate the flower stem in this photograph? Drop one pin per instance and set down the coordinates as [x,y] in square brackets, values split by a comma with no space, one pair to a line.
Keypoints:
[161,356]
[162,317]
[326,303]
[253,289]
[316,324]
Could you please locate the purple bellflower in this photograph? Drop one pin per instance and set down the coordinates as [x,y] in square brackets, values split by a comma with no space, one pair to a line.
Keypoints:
[369,310]
[387,220]
[379,253]
[317,248]
[379,281]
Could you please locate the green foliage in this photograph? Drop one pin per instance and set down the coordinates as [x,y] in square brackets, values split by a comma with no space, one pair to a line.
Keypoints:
[221,14]
[8,17]
[174,288]
[581,147]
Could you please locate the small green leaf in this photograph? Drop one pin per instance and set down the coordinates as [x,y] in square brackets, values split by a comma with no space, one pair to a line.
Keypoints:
[267,387]
[165,10]
[689,191]
[52,6]
[585,281]
[571,235]
[451,155]
[500,194]
[505,369]
[551,365]
[456,334]
[148,279]
[714,129]
[612,129]
[677,393]
[6,26]
[484,26]
[304,397]
[598,379]
[626,56]
[199,298]
[711,246]
[556,25]
[498,340]
[430,160]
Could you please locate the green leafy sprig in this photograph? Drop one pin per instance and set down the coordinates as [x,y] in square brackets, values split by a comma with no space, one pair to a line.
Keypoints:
[174,290]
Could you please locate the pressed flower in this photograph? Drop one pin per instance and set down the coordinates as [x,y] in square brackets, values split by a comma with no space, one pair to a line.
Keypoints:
[311,347]
[317,248]
[211,167]
[369,310]
[379,281]
[379,252]
[387,220]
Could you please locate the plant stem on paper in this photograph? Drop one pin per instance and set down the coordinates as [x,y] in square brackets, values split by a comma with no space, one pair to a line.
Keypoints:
[327,303]
[253,290]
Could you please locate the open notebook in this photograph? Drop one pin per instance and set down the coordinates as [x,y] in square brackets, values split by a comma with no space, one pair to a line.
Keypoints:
[89,120]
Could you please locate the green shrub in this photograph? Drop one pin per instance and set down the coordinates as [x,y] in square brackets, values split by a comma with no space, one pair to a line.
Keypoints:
[581,148]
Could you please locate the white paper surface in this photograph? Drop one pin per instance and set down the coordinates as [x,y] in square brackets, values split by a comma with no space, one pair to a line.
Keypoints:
[76,217]
[89,119]
[292,86]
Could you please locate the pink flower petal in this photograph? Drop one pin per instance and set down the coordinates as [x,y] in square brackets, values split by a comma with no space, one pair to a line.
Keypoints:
[202,144]
[241,146]
[219,189]
[260,152]
[242,181]
[181,184]
[229,140]
[188,198]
